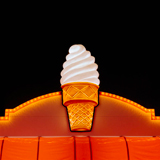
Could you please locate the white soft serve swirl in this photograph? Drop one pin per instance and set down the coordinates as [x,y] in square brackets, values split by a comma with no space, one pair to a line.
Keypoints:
[79,66]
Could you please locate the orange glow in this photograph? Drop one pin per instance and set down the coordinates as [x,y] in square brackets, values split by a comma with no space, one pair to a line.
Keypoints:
[152,111]
[8,111]
[144,148]
[116,96]
[112,148]
[80,148]
[80,98]
[1,139]
[23,148]
[110,94]
[106,94]
[83,151]
[56,148]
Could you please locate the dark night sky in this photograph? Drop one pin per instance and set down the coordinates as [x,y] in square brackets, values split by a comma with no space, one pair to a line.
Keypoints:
[125,51]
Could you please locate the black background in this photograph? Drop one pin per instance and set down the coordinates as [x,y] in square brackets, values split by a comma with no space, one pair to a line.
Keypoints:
[125,45]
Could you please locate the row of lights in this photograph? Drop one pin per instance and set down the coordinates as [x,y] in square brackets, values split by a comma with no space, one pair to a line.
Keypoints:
[7,111]
[152,111]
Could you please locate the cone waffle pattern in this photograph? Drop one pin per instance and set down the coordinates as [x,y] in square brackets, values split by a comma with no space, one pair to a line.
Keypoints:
[80,92]
[80,100]
[80,116]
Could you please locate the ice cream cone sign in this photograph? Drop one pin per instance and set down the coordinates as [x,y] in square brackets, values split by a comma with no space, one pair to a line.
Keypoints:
[80,85]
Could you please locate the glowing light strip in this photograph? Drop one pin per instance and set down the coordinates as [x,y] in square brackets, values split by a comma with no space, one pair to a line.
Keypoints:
[152,111]
[8,111]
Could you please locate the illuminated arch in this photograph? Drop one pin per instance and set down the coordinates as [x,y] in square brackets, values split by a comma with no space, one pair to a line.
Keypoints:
[152,111]
[119,98]
[25,104]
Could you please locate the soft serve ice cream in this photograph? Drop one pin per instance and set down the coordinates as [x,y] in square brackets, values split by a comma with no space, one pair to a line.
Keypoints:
[80,86]
[80,66]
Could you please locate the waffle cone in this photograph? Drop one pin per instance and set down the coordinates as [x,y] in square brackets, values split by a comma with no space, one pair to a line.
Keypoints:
[80,116]
[80,98]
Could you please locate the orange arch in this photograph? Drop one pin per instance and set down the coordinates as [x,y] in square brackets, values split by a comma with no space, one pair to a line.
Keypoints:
[8,111]
[25,104]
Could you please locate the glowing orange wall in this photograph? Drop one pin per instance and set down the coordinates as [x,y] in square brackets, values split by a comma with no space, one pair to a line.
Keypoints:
[46,116]
[18,148]
[56,148]
[81,148]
